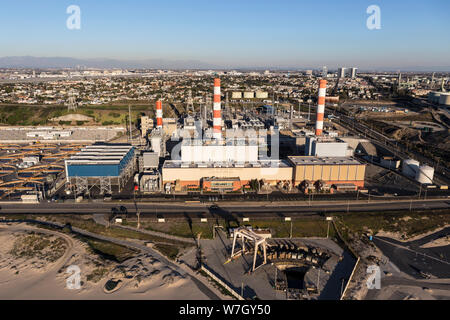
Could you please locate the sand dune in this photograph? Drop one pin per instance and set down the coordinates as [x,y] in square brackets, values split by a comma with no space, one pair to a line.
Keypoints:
[29,274]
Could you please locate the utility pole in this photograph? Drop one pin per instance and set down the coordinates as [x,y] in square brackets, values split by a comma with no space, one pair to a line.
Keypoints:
[276,275]
[139,220]
[285,276]
[318,282]
[328,229]
[309,109]
[290,236]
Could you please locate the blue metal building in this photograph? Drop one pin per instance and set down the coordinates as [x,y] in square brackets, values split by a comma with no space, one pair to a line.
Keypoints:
[102,165]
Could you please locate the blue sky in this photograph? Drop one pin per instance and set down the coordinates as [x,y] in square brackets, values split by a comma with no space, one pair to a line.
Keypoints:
[233,33]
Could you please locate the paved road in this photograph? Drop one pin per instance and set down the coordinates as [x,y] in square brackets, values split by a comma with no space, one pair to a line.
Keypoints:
[224,210]
[414,260]
[399,281]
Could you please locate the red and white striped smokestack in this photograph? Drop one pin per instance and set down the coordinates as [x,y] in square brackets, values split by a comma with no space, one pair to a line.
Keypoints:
[217,117]
[321,107]
[159,114]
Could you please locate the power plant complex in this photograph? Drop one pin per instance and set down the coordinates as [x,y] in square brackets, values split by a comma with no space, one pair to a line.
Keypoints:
[229,160]
[211,156]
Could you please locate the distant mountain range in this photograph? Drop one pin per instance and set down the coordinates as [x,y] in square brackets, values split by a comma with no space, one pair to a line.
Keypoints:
[104,63]
[65,62]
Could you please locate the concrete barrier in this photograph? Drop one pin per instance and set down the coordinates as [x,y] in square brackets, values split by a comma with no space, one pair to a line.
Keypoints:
[350,279]
[223,284]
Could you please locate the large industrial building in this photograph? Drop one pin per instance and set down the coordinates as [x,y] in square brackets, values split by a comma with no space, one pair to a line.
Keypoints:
[101,166]
[198,175]
[331,170]
[221,163]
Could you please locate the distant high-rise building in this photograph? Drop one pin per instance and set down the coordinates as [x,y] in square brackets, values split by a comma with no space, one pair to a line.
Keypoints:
[324,72]
[309,72]
[341,72]
[354,70]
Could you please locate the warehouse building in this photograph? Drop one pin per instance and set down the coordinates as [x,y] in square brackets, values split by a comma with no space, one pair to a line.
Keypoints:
[100,166]
[337,171]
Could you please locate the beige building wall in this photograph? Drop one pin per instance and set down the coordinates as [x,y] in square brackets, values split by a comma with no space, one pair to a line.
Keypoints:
[245,174]
[343,172]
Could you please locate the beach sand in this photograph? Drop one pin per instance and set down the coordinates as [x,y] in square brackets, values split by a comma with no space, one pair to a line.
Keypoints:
[34,277]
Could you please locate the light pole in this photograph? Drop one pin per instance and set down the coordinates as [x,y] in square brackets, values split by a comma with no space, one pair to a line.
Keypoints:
[139,220]
[329,219]
[290,236]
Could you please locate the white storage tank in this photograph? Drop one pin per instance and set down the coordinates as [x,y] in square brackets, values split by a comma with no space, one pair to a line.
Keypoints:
[410,167]
[425,175]
[236,95]
[434,97]
[444,99]
[249,95]
[262,94]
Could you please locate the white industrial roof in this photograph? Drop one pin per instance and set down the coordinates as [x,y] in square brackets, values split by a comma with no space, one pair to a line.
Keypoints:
[307,160]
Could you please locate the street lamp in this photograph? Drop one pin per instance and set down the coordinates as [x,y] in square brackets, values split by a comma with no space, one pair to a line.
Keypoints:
[328,228]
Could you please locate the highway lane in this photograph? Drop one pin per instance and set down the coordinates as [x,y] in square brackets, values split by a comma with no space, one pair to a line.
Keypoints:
[197,209]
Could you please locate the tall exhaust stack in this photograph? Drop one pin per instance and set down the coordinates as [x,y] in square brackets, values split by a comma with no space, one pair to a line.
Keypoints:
[159,115]
[321,107]
[217,118]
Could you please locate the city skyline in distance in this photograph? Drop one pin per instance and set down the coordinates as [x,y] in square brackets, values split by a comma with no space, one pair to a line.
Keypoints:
[106,63]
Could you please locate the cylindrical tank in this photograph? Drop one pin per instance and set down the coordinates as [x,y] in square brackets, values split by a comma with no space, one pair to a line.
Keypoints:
[410,167]
[236,95]
[444,99]
[262,94]
[434,97]
[249,95]
[425,175]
